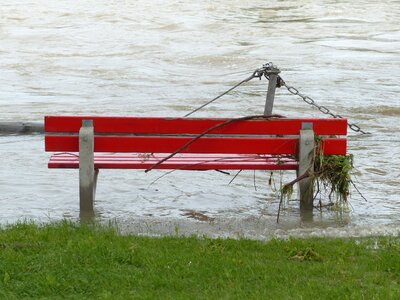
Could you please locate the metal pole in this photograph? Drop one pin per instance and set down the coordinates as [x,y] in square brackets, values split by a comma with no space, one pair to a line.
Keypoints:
[273,78]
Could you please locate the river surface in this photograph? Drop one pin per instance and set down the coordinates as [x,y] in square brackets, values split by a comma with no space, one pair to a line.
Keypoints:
[165,58]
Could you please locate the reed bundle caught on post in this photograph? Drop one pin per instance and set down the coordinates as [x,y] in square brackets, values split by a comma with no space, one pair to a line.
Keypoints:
[331,174]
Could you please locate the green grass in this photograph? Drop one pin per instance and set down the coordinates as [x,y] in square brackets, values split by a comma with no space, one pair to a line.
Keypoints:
[92,262]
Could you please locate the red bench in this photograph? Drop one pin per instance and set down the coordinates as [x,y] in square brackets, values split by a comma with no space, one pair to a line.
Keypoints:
[141,143]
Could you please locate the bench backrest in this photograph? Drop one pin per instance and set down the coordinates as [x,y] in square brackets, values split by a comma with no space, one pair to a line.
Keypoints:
[166,135]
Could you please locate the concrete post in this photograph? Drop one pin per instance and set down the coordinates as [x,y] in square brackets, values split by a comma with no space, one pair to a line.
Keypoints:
[87,173]
[273,78]
[306,163]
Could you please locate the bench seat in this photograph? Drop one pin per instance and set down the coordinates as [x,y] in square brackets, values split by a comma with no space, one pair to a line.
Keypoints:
[190,161]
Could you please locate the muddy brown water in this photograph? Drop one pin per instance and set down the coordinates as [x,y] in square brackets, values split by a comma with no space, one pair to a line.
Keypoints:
[164,58]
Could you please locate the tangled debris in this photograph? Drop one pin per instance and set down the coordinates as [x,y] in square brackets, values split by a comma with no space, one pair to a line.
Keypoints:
[329,173]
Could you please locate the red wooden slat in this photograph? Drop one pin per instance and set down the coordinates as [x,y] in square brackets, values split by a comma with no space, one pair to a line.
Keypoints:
[171,160]
[155,157]
[193,126]
[334,146]
[178,166]
[115,162]
[171,144]
[180,156]
[204,145]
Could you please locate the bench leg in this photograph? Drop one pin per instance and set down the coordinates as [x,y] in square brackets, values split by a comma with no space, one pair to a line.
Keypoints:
[306,161]
[87,173]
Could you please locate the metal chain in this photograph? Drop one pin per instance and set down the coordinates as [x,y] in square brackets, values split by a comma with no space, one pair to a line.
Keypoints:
[264,71]
[258,73]
[321,108]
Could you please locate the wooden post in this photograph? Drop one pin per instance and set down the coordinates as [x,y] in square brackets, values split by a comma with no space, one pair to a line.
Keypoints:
[273,78]
[87,173]
[306,163]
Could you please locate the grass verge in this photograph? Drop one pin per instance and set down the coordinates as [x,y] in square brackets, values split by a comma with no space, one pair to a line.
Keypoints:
[74,261]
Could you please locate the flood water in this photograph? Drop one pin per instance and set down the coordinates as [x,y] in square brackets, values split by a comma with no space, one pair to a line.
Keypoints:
[165,58]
